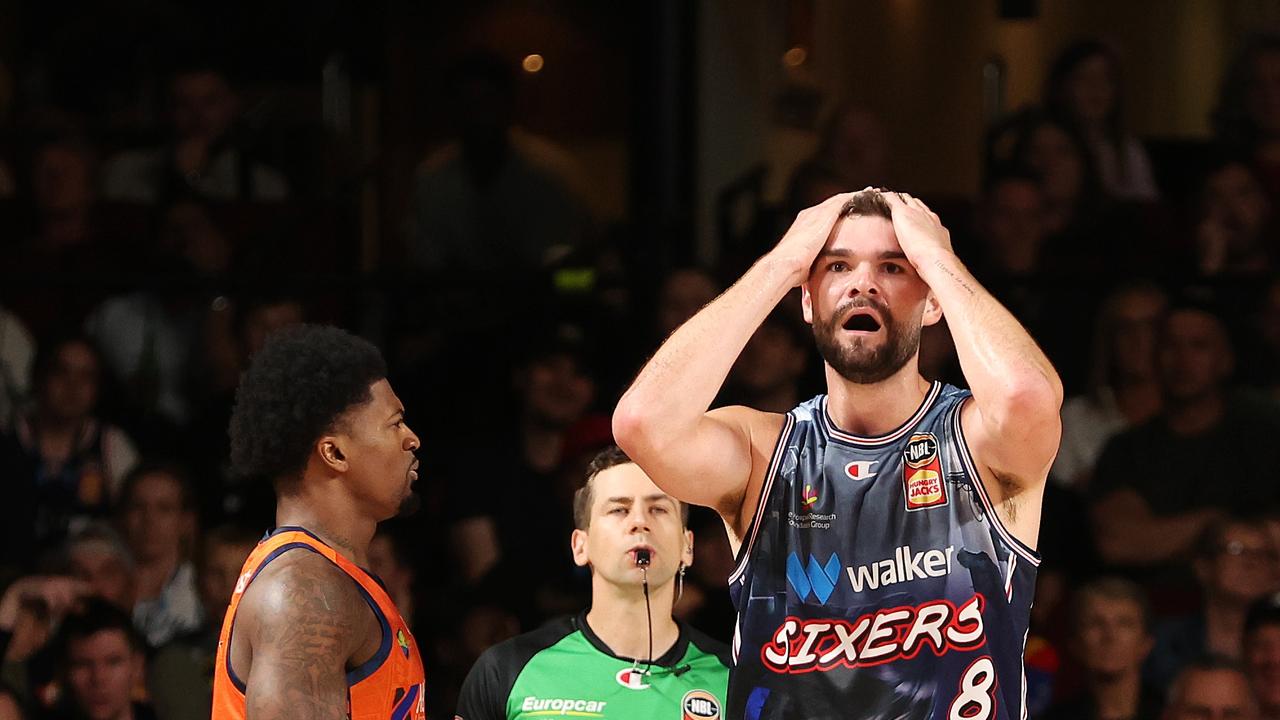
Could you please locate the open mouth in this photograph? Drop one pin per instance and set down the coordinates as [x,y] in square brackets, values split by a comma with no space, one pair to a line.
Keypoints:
[862,322]
[636,551]
[413,471]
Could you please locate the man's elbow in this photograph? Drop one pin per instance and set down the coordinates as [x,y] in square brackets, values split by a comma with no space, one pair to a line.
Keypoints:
[632,428]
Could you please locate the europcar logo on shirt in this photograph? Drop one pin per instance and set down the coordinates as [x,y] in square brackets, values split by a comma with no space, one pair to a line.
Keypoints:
[574,707]
[922,481]
[699,705]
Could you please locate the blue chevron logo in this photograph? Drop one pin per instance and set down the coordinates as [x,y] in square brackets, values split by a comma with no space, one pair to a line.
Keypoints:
[819,579]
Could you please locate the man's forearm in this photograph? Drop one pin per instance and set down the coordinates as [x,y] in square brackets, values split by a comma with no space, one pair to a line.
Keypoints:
[1000,360]
[681,380]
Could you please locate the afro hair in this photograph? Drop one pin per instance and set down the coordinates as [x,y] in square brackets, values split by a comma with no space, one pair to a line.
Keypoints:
[297,387]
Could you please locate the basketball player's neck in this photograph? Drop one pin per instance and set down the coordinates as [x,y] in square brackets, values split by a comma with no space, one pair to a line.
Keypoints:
[617,617]
[875,408]
[330,517]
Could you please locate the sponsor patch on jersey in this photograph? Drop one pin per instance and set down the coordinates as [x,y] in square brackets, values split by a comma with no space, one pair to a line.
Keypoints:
[699,705]
[632,678]
[574,707]
[923,484]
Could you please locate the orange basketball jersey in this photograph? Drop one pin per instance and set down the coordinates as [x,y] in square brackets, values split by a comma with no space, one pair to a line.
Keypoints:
[387,687]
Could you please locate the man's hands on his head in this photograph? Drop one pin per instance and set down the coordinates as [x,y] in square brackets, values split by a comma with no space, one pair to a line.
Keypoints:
[919,231]
[806,237]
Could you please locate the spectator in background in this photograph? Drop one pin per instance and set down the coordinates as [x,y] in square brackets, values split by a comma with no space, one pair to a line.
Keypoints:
[64,464]
[1084,87]
[100,662]
[496,191]
[1247,116]
[767,374]
[1012,225]
[1159,484]
[1211,689]
[1111,638]
[855,147]
[180,676]
[1235,235]
[1236,564]
[17,353]
[205,154]
[157,512]
[390,564]
[682,293]
[1123,386]
[98,556]
[1262,655]
[149,337]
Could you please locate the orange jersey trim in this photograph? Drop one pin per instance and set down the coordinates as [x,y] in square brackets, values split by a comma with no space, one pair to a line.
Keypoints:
[389,686]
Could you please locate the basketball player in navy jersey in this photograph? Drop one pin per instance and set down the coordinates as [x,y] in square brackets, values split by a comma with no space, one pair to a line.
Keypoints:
[884,531]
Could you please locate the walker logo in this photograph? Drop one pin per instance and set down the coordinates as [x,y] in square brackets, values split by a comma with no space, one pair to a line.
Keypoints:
[700,705]
[814,578]
[922,473]
[632,678]
[902,567]
[860,469]
[548,707]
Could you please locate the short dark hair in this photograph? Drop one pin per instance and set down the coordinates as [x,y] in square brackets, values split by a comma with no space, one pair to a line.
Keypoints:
[94,616]
[1111,588]
[867,203]
[609,457]
[179,475]
[296,389]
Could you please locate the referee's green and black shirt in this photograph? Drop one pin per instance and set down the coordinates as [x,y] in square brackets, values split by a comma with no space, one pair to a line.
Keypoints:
[564,670]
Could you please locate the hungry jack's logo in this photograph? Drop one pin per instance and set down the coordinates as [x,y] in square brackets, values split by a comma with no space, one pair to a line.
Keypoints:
[922,473]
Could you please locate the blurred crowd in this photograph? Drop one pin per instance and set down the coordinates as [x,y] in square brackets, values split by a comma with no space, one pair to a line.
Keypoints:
[153,235]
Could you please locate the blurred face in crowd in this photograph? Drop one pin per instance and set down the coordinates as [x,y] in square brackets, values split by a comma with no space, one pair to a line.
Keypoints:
[1262,659]
[1194,356]
[1211,695]
[204,106]
[1245,566]
[859,148]
[1053,154]
[683,294]
[384,563]
[866,302]
[556,390]
[1091,89]
[1135,319]
[189,232]
[70,390]
[771,360]
[219,570]
[266,319]
[1237,204]
[1111,637]
[62,179]
[1014,225]
[155,522]
[629,512]
[9,708]
[1264,92]
[109,575]
[102,670]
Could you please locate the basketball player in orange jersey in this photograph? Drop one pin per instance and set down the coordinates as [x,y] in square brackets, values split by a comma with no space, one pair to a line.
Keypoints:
[309,632]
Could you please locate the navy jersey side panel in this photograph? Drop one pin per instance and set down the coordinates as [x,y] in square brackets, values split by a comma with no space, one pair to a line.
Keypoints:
[876,581]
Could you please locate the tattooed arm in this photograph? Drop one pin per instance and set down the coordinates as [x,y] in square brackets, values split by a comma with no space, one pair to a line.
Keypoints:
[306,624]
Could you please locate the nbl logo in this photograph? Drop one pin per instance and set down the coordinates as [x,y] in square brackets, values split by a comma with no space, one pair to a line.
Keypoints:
[700,705]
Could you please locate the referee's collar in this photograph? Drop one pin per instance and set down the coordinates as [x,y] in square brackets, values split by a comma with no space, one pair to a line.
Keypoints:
[667,659]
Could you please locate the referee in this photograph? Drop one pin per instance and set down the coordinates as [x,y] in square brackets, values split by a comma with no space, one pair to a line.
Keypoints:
[597,665]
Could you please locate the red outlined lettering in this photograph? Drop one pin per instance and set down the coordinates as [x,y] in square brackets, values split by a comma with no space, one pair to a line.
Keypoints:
[886,635]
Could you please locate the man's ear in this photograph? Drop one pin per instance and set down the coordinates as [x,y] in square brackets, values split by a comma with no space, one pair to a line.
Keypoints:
[329,448]
[932,310]
[687,555]
[578,543]
[806,302]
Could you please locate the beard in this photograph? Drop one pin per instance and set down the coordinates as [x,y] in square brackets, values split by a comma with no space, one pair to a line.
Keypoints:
[859,361]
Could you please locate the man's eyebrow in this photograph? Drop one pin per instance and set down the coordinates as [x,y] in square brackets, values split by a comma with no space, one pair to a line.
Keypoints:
[621,500]
[893,255]
[836,252]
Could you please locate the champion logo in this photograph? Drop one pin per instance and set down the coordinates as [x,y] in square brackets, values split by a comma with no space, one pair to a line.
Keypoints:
[860,469]
[815,578]
[632,678]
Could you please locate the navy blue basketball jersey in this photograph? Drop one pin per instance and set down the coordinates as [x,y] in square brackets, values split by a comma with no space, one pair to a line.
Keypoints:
[876,581]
